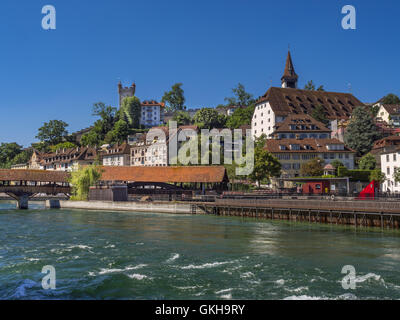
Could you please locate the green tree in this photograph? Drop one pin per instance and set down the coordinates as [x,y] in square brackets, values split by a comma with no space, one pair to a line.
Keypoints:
[396,174]
[63,145]
[361,131]
[337,163]
[390,99]
[108,117]
[240,97]
[52,132]
[375,110]
[119,133]
[367,162]
[82,179]
[8,151]
[240,117]
[208,118]
[22,157]
[174,98]
[182,118]
[130,112]
[311,87]
[377,175]
[266,165]
[319,114]
[313,168]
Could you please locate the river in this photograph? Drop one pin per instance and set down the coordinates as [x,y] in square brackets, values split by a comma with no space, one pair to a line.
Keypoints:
[122,255]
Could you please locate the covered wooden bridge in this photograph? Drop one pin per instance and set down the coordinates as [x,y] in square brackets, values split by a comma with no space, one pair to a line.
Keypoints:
[159,182]
[24,184]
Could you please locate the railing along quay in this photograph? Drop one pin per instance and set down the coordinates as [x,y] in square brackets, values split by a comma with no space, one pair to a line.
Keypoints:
[381,214]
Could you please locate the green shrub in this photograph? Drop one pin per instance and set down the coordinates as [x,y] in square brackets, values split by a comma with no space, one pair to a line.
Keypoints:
[355,175]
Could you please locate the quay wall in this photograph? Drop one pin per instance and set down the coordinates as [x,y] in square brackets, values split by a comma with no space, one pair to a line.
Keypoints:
[157,207]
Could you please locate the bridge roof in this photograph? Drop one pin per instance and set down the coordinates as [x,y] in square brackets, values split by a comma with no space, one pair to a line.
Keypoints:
[208,174]
[33,175]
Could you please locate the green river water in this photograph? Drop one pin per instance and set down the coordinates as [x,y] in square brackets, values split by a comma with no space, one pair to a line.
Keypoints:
[127,255]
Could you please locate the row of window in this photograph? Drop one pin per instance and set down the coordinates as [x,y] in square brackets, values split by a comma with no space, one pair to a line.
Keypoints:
[394,157]
[289,166]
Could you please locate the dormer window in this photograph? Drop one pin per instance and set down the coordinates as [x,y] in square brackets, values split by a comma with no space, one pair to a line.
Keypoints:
[294,147]
[282,147]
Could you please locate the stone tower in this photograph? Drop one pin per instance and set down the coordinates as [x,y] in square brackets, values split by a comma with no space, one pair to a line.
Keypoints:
[289,78]
[125,92]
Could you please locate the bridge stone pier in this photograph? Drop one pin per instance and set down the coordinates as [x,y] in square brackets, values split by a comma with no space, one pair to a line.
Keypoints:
[21,185]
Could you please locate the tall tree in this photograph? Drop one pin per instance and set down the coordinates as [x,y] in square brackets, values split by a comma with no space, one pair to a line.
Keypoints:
[361,131]
[266,166]
[313,168]
[82,179]
[311,87]
[8,151]
[119,133]
[182,118]
[319,114]
[390,99]
[108,116]
[175,98]
[130,112]
[240,97]
[52,132]
[208,118]
[377,175]
[367,162]
[240,117]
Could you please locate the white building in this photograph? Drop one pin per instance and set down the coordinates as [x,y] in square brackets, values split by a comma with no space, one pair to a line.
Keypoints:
[390,113]
[116,155]
[277,103]
[68,159]
[390,160]
[152,112]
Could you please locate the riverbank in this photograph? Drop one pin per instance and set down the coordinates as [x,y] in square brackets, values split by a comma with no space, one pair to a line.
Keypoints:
[160,207]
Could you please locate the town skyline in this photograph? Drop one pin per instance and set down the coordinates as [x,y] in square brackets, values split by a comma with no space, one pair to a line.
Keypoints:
[70,68]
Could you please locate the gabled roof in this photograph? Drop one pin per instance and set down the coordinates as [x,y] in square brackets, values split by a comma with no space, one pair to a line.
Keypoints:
[313,145]
[392,108]
[152,103]
[209,174]
[33,175]
[300,123]
[285,101]
[117,149]
[68,154]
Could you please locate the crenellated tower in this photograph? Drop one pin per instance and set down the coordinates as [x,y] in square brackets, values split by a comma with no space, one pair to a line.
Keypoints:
[125,92]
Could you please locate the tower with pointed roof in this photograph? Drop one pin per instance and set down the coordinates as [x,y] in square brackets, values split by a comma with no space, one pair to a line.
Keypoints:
[289,78]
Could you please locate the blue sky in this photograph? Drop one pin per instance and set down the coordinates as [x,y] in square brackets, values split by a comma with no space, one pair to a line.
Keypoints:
[207,45]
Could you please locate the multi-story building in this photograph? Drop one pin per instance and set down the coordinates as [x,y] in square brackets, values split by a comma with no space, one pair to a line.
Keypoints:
[300,126]
[390,161]
[152,112]
[389,113]
[68,159]
[150,152]
[300,138]
[116,155]
[386,144]
[277,103]
[292,153]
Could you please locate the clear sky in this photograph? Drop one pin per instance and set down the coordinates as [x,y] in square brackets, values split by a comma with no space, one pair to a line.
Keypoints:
[208,45]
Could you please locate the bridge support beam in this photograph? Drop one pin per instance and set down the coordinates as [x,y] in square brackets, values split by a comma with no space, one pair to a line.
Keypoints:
[53,204]
[22,202]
